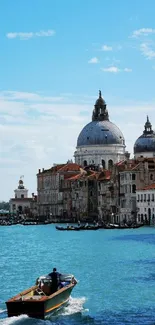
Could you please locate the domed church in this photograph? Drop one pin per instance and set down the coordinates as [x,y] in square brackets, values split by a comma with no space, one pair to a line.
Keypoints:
[145,144]
[100,143]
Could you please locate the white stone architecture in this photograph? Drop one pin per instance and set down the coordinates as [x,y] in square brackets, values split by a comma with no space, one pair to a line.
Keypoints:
[100,143]
[21,203]
[146,204]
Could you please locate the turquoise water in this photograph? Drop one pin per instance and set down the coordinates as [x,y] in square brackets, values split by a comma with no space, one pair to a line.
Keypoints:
[115,269]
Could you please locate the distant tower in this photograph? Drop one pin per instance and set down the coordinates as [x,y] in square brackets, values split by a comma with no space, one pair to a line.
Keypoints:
[21,192]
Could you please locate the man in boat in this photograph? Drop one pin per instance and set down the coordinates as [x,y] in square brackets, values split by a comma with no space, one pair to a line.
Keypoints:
[55,280]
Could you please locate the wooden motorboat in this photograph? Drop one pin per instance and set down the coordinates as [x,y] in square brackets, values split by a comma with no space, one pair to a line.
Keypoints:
[38,302]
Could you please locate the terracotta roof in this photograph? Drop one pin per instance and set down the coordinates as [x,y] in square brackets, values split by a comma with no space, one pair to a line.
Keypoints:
[104,175]
[52,169]
[75,177]
[120,163]
[93,175]
[148,187]
[70,167]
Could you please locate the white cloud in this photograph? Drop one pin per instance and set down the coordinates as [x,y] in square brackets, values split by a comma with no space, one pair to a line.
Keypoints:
[114,69]
[25,36]
[143,32]
[147,51]
[111,69]
[128,70]
[106,48]
[13,95]
[93,60]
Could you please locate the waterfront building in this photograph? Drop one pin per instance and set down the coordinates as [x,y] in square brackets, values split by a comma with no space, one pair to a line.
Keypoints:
[21,204]
[100,143]
[53,198]
[133,174]
[146,204]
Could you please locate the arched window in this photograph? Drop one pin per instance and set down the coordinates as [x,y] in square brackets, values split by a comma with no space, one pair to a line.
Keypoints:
[103,164]
[85,163]
[133,188]
[110,164]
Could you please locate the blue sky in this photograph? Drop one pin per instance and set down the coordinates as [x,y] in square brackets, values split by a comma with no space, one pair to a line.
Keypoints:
[54,57]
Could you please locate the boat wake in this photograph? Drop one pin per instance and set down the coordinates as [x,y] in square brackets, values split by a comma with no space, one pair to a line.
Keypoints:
[75,306]
[13,320]
[2,311]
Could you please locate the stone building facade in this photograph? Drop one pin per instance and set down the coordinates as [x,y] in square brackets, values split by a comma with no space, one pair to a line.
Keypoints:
[54,190]
[146,204]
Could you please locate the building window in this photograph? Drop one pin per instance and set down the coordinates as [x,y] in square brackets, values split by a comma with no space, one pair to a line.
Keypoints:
[110,164]
[133,177]
[122,177]
[148,197]
[133,188]
[103,164]
[85,163]
[153,197]
[22,196]
[151,177]
[138,197]
[141,197]
[144,197]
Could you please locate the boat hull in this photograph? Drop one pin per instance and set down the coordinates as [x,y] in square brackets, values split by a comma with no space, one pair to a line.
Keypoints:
[42,308]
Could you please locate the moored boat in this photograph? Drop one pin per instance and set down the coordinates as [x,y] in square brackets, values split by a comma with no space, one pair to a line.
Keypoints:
[86,227]
[38,302]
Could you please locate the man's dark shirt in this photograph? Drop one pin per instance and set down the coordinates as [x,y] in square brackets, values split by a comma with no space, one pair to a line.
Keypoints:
[54,276]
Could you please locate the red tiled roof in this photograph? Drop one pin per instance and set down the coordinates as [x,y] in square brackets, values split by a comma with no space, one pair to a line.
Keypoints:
[70,167]
[93,175]
[75,177]
[120,163]
[104,175]
[148,187]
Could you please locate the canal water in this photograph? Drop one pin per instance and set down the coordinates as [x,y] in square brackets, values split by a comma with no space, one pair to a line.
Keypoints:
[115,269]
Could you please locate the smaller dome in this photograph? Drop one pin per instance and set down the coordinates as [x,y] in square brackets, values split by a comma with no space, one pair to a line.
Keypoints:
[146,142]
